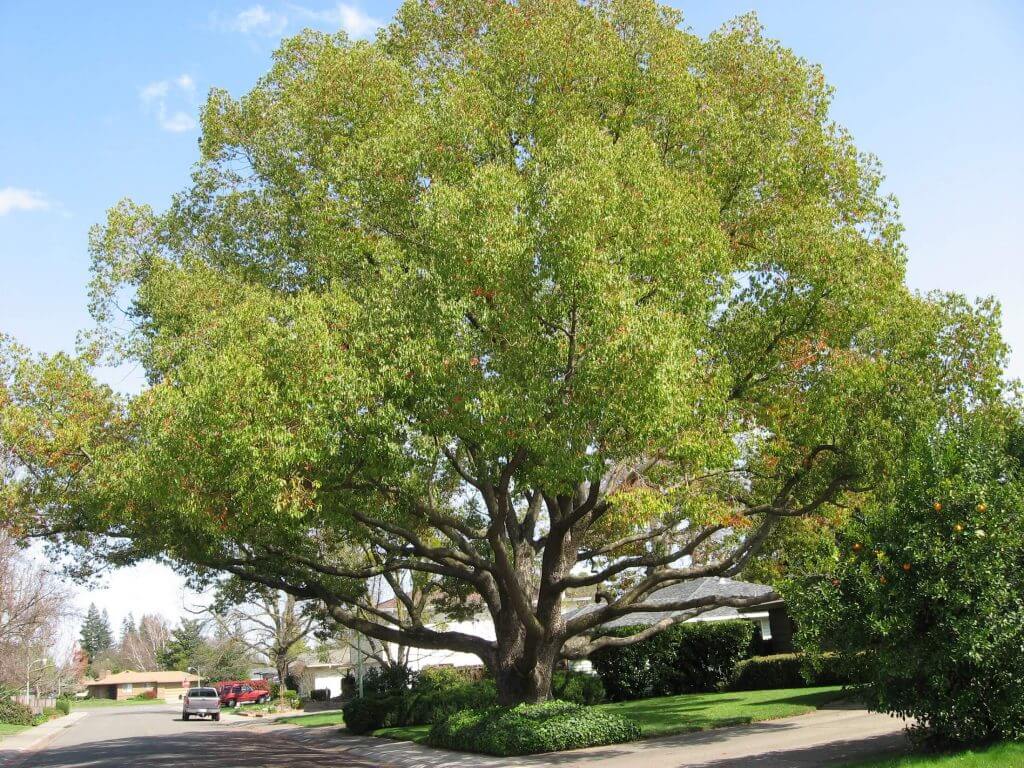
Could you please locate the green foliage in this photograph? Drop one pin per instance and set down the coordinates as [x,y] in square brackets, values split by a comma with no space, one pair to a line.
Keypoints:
[550,243]
[530,728]
[786,670]
[431,696]
[95,636]
[686,658]
[368,713]
[388,680]
[64,706]
[925,600]
[13,713]
[578,687]
[218,658]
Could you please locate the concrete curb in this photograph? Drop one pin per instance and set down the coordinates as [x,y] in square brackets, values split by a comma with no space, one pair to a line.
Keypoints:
[13,748]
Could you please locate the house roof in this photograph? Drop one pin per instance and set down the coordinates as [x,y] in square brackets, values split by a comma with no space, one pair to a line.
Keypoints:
[689,590]
[335,657]
[160,676]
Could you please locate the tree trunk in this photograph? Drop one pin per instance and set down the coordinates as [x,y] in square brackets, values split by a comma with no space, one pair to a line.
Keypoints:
[518,681]
[282,676]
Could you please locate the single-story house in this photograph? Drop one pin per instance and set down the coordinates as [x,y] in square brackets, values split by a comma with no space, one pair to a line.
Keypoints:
[322,670]
[773,628]
[166,685]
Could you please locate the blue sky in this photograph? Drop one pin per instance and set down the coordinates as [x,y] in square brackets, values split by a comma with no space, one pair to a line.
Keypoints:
[100,101]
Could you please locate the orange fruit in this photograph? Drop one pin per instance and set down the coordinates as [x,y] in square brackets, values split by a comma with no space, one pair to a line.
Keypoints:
[958,528]
[858,547]
[906,567]
[982,507]
[937,506]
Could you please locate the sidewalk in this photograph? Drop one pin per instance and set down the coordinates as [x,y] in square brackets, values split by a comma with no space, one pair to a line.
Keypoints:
[828,737]
[14,746]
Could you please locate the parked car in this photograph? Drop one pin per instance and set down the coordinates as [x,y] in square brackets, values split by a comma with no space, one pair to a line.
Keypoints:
[201,702]
[235,693]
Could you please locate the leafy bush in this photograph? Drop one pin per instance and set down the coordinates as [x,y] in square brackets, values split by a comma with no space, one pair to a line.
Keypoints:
[293,698]
[388,680]
[427,704]
[64,706]
[144,696]
[787,670]
[925,600]
[369,713]
[13,713]
[687,658]
[578,687]
[530,728]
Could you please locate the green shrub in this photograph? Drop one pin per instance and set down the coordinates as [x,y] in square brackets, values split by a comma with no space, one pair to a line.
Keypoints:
[369,713]
[13,713]
[786,670]
[293,699]
[64,706]
[931,584]
[427,704]
[390,680]
[530,728]
[687,658]
[578,687]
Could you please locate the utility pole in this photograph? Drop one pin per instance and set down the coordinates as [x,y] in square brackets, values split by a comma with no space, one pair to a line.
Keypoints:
[359,661]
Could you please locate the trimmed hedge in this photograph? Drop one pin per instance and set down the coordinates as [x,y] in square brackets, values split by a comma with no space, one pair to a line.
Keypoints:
[692,657]
[64,706]
[578,687]
[13,713]
[530,728]
[372,712]
[784,670]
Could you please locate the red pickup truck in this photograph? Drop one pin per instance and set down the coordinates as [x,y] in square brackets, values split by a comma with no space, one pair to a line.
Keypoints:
[236,692]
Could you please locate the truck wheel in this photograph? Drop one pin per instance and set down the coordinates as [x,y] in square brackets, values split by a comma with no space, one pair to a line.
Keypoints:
[216,718]
[184,716]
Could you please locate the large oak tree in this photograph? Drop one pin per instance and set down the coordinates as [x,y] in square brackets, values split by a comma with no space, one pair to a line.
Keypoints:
[522,298]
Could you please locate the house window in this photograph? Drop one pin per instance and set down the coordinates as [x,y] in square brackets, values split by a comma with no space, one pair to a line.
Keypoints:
[128,687]
[766,628]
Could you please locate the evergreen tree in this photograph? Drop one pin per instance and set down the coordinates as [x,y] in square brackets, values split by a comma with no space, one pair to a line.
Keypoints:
[95,635]
[185,646]
[127,628]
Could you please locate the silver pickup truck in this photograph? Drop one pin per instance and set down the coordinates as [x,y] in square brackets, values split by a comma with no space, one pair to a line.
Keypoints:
[201,702]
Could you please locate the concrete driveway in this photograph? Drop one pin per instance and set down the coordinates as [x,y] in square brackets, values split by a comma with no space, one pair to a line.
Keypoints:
[156,737]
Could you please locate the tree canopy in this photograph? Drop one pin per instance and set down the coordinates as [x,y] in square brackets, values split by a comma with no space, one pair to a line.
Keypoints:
[521,298]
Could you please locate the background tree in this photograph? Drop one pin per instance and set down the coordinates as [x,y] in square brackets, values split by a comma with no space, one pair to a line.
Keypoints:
[271,624]
[142,649]
[33,607]
[523,297]
[216,657]
[95,636]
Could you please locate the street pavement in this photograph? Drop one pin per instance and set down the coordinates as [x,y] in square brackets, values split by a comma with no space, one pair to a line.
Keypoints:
[156,737]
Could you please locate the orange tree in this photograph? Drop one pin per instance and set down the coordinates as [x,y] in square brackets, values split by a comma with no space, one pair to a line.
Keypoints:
[521,299]
[924,600]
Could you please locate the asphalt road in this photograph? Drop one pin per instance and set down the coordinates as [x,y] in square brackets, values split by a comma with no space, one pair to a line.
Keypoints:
[156,737]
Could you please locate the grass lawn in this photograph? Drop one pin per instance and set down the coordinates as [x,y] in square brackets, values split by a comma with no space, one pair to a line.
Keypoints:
[10,730]
[1001,755]
[700,711]
[657,717]
[317,719]
[100,703]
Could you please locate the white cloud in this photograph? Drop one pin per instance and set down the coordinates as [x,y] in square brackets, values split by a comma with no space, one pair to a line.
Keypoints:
[166,99]
[15,199]
[354,20]
[257,20]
